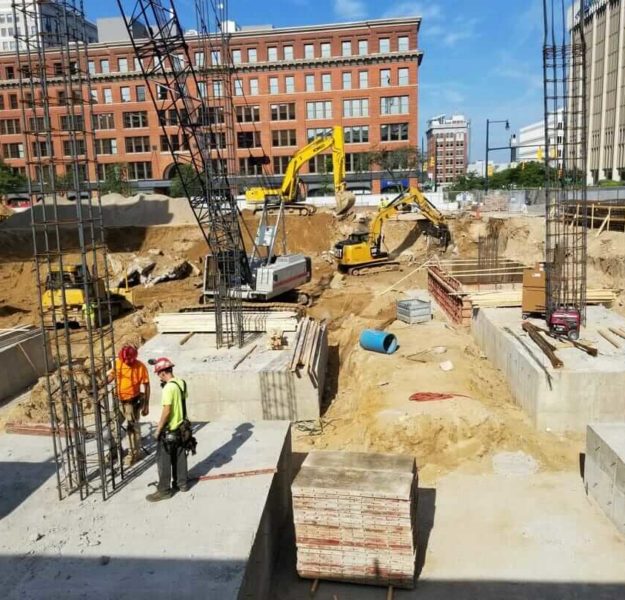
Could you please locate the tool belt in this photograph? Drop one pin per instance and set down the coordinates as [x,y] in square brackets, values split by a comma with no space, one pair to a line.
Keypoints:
[137,401]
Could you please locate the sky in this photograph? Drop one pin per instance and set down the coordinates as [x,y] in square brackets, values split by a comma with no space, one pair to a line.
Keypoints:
[482,58]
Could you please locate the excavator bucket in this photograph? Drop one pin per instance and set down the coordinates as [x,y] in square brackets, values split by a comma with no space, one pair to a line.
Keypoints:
[344,202]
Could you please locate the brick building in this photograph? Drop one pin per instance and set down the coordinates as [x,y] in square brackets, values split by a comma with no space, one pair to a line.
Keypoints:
[447,148]
[290,85]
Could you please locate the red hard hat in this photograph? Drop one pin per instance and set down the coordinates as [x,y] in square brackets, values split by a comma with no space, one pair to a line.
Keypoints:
[162,363]
[128,354]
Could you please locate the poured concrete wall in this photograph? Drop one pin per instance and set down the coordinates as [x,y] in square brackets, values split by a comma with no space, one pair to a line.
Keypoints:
[604,469]
[586,389]
[260,387]
[21,351]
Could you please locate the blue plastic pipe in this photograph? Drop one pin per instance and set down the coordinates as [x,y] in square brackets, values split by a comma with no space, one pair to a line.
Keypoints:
[378,341]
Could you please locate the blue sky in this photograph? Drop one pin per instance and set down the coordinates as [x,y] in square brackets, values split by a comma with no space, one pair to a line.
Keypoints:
[481,57]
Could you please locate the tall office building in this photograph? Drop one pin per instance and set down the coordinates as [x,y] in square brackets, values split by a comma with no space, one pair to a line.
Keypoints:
[289,85]
[47,16]
[531,140]
[447,148]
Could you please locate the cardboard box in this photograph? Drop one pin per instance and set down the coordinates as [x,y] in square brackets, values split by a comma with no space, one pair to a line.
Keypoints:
[534,296]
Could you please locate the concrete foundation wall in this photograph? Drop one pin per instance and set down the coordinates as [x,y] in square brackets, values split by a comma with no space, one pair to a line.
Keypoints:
[587,389]
[22,351]
[604,469]
[261,387]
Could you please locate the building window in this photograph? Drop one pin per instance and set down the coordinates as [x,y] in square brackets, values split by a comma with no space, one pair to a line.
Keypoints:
[13,103]
[125,94]
[326,82]
[140,91]
[283,137]
[91,67]
[108,96]
[394,132]
[273,85]
[135,120]
[73,147]
[106,146]
[13,150]
[94,96]
[139,170]
[289,83]
[394,105]
[216,57]
[403,77]
[252,57]
[385,77]
[403,44]
[363,47]
[363,80]
[248,114]
[326,50]
[236,57]
[347,81]
[311,134]
[280,164]
[346,48]
[283,112]
[357,162]
[104,66]
[253,87]
[202,89]
[248,139]
[250,166]
[122,65]
[40,149]
[72,123]
[356,135]
[161,92]
[385,45]
[217,89]
[1,102]
[310,83]
[10,126]
[309,51]
[288,52]
[238,87]
[137,64]
[137,144]
[272,54]
[199,59]
[319,110]
[104,121]
[358,107]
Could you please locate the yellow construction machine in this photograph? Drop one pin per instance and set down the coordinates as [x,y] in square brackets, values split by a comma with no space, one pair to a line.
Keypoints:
[362,252]
[69,285]
[289,191]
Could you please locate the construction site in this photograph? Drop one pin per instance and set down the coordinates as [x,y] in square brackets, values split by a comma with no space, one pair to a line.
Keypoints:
[392,397]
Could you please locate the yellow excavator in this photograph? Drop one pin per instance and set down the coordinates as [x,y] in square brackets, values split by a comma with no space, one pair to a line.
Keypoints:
[289,191]
[362,252]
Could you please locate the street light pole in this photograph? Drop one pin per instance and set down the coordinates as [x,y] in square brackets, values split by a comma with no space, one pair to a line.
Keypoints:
[488,148]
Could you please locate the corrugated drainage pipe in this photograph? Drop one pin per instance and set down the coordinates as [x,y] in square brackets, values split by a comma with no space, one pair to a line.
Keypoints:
[378,341]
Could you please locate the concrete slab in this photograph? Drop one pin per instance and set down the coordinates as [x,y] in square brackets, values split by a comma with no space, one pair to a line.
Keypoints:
[365,461]
[586,389]
[219,540]
[604,469]
[259,387]
[493,536]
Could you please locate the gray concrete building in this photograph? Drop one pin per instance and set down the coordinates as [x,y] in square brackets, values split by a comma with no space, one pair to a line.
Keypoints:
[113,29]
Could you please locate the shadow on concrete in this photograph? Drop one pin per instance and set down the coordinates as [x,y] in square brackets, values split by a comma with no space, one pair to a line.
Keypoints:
[426,508]
[582,465]
[331,386]
[225,453]
[8,310]
[18,480]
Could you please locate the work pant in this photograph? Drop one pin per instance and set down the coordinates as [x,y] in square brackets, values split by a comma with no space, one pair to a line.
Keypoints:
[171,460]
[131,413]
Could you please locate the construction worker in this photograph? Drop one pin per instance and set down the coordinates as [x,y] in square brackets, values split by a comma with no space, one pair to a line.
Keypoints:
[171,456]
[88,313]
[131,376]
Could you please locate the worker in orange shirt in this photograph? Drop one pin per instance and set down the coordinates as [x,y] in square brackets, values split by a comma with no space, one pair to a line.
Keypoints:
[130,376]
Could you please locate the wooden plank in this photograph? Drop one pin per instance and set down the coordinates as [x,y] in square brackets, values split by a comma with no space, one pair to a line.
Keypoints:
[605,335]
[186,338]
[617,331]
[543,344]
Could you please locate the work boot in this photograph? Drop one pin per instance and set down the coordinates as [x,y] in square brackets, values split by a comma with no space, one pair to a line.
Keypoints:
[158,495]
[131,459]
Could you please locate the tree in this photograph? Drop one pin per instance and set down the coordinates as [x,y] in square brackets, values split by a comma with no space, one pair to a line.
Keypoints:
[116,180]
[10,181]
[406,158]
[468,182]
[185,181]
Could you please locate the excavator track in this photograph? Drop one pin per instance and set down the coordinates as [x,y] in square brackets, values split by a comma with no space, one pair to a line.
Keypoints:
[303,210]
[373,268]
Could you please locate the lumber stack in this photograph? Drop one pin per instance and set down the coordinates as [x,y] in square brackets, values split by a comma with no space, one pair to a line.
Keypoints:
[512,298]
[308,337]
[355,518]
[204,322]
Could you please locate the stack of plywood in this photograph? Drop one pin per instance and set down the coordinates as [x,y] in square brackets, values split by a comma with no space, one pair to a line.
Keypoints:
[355,518]
[204,321]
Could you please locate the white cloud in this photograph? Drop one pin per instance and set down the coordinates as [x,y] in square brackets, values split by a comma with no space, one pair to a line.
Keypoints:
[426,10]
[461,29]
[350,9]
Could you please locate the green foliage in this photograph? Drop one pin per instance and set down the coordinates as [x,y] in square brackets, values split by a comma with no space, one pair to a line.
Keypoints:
[406,158]
[10,182]
[185,181]
[606,183]
[467,182]
[525,175]
[116,180]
